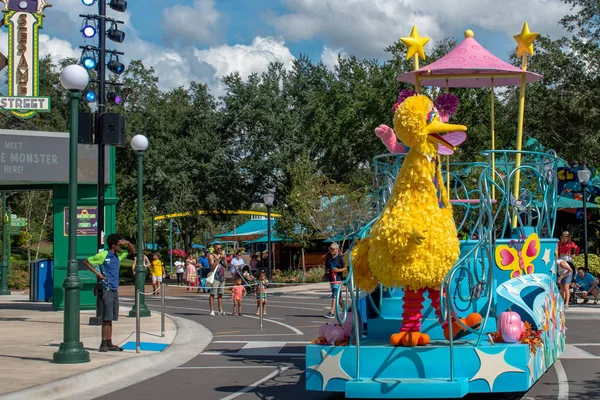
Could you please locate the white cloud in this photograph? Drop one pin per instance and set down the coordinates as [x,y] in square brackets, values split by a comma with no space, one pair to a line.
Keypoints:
[329,57]
[366,27]
[198,23]
[56,48]
[245,59]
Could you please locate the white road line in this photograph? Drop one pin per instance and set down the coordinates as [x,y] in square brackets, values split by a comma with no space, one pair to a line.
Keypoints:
[572,352]
[235,353]
[259,334]
[246,341]
[233,367]
[255,384]
[563,381]
[261,348]
[584,344]
[297,331]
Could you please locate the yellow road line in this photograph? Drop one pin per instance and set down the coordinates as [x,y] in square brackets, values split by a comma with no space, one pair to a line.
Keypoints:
[223,333]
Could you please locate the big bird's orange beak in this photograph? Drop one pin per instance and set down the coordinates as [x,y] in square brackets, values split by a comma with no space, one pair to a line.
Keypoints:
[436,126]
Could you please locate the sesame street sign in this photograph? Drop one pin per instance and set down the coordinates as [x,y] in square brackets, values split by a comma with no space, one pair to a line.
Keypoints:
[24,18]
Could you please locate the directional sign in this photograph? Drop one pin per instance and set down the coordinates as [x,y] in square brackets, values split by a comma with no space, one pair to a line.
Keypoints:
[18,222]
[15,230]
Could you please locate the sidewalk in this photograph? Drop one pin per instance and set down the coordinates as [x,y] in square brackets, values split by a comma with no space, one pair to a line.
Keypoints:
[314,290]
[32,332]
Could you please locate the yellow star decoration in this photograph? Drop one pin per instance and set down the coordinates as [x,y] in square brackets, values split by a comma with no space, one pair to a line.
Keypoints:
[415,44]
[525,40]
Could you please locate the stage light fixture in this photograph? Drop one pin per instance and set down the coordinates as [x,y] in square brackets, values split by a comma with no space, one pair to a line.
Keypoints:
[88,30]
[118,5]
[115,98]
[90,96]
[115,34]
[115,66]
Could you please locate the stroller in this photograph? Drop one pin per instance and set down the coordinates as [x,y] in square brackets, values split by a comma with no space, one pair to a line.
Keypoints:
[248,281]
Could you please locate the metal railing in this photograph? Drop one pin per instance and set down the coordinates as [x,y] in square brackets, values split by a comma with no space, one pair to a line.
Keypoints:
[138,323]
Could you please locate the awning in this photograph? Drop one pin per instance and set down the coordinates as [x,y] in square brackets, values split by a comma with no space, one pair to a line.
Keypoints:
[250,230]
[198,246]
[265,239]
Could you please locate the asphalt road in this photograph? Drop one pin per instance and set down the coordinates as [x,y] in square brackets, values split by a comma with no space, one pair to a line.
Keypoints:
[245,362]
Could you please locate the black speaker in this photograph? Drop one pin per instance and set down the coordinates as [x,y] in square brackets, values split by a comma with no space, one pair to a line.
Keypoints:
[111,127]
[86,128]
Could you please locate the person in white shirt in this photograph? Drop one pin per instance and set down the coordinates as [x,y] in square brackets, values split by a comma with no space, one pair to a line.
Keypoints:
[237,263]
[179,269]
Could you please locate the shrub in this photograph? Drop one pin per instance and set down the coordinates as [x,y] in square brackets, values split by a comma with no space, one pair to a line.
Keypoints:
[314,275]
[18,279]
[593,263]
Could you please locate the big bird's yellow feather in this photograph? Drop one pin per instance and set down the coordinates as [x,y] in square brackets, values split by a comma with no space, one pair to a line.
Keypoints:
[412,215]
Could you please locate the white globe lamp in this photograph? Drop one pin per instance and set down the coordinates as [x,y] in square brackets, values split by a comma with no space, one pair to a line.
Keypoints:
[74,77]
[139,143]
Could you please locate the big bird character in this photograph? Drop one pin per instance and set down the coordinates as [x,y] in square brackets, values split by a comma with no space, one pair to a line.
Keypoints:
[414,243]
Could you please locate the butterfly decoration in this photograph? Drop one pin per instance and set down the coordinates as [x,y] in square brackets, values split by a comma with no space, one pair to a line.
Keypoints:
[456,138]
[518,255]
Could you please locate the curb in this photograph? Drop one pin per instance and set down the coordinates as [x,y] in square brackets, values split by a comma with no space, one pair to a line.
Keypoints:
[191,339]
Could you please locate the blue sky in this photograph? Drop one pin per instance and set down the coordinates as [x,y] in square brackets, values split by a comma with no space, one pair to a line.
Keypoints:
[201,40]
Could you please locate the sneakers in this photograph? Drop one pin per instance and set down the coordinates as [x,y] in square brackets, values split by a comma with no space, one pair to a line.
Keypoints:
[212,313]
[223,313]
[329,315]
[114,348]
[103,347]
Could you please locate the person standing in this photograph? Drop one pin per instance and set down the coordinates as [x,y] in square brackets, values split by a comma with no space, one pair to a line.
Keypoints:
[567,248]
[218,263]
[334,267]
[237,292]
[179,268]
[157,272]
[109,264]
[191,273]
[146,263]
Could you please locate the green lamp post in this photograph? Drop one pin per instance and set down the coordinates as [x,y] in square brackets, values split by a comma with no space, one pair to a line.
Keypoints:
[139,143]
[5,247]
[75,79]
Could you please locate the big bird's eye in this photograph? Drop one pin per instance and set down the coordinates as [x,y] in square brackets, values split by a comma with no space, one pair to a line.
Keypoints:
[430,116]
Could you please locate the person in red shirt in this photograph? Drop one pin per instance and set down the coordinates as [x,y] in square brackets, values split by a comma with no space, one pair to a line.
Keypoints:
[238,291]
[566,248]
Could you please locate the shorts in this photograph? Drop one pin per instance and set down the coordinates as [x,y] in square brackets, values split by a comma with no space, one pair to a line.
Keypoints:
[110,305]
[156,279]
[334,289]
[261,296]
[217,287]
[567,280]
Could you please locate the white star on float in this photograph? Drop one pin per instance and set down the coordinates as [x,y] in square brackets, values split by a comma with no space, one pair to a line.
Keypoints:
[513,289]
[546,257]
[330,368]
[492,366]
[536,279]
[530,367]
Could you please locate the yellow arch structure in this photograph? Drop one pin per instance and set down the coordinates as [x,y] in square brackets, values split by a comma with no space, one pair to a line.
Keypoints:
[201,212]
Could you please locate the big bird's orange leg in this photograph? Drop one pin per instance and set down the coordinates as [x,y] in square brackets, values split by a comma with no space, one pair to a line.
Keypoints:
[473,320]
[409,335]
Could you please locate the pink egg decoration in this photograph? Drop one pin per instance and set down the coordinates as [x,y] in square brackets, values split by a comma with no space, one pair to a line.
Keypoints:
[334,334]
[348,326]
[510,326]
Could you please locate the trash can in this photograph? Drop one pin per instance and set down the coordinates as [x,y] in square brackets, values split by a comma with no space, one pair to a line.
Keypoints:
[41,279]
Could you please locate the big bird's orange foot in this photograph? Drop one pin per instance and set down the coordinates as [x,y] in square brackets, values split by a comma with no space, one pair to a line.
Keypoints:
[409,339]
[473,321]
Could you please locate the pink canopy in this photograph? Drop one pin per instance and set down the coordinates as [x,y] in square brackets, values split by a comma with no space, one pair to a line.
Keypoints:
[469,58]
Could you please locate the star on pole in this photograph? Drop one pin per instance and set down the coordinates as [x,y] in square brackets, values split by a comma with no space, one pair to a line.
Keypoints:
[525,41]
[330,368]
[492,366]
[415,44]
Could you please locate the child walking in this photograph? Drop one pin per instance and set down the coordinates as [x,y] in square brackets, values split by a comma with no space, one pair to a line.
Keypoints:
[261,293]
[238,291]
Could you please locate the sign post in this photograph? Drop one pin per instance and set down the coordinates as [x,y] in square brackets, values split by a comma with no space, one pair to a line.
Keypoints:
[24,20]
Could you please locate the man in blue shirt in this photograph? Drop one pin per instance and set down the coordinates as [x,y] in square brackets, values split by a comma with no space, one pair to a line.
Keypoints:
[109,264]
[587,283]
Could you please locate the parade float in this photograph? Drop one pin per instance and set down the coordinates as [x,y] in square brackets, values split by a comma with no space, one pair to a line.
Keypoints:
[452,287]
